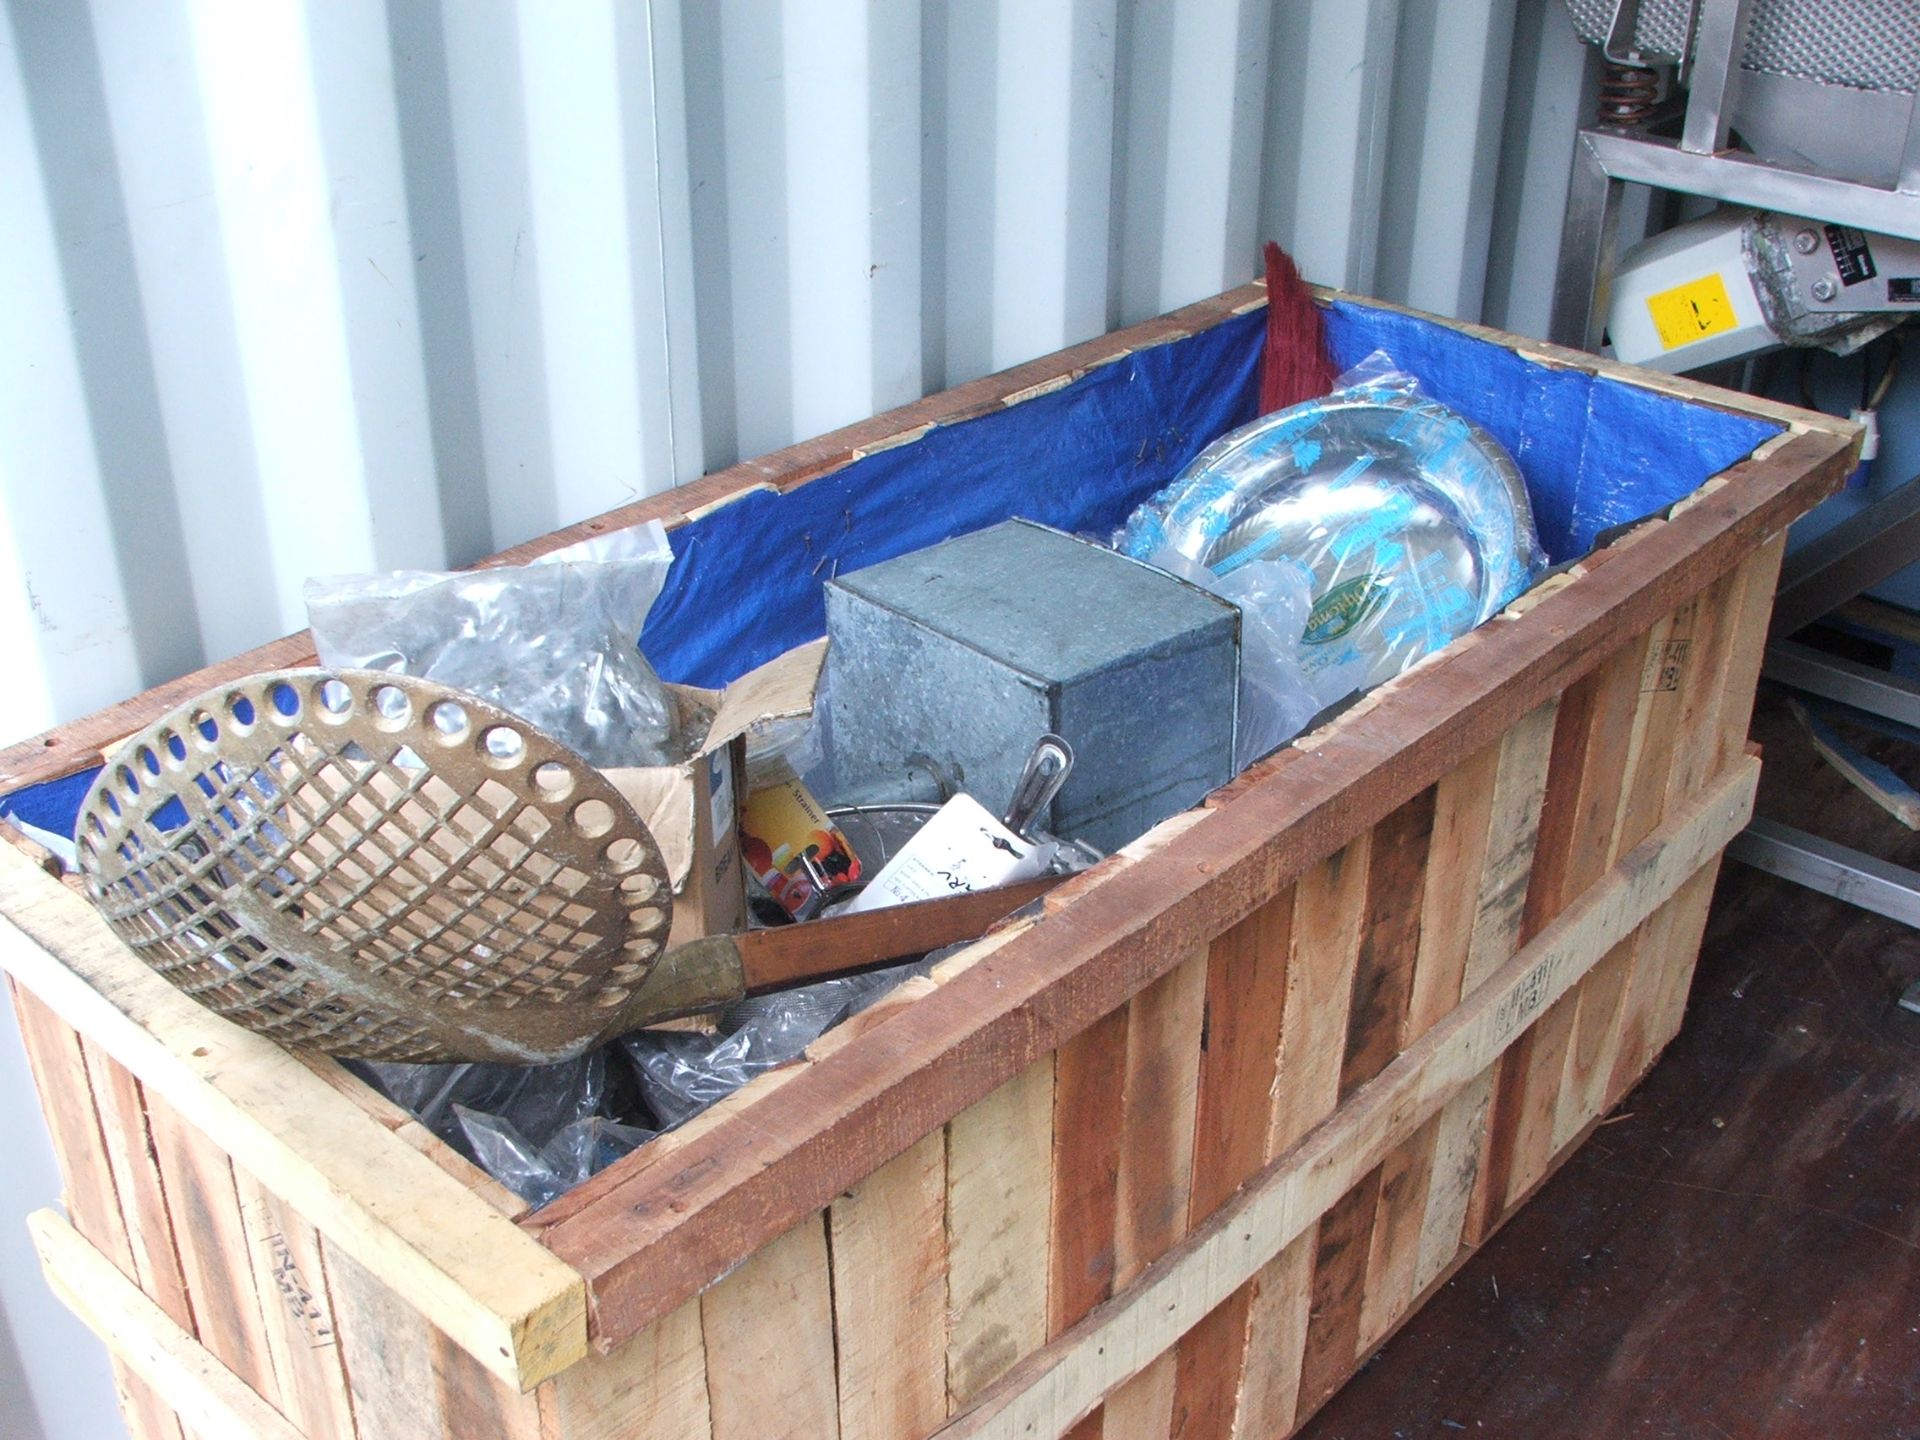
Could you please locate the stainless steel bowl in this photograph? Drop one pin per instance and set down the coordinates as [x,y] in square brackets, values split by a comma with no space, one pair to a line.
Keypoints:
[1411,522]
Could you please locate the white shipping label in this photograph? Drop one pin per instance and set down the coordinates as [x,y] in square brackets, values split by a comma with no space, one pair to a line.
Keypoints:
[720,793]
[962,848]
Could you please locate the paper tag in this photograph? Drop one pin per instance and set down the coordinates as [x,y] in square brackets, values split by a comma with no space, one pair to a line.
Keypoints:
[962,848]
[1692,311]
[720,794]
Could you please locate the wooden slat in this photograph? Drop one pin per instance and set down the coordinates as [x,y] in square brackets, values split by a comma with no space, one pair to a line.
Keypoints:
[1592,738]
[1749,611]
[652,1388]
[1459,1146]
[1329,920]
[212,1244]
[1383,973]
[406,1379]
[1269,1396]
[999,1193]
[769,1333]
[1246,993]
[1677,933]
[646,1246]
[147,1414]
[1142,1409]
[1246,1003]
[215,1403]
[59,1072]
[1393,1259]
[297,1313]
[1345,1241]
[889,1247]
[1154,1183]
[122,1112]
[1046,1393]
[1089,1084]
[478,1276]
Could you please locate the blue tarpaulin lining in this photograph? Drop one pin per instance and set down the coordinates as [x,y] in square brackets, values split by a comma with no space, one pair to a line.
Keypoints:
[746,580]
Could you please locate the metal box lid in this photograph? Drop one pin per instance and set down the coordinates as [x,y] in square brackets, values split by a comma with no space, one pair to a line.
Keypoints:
[1005,591]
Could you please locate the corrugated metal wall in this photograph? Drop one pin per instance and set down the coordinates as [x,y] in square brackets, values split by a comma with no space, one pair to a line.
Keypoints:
[296,286]
[336,285]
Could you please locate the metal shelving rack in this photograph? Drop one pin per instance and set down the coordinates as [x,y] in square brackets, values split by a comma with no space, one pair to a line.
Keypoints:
[1862,551]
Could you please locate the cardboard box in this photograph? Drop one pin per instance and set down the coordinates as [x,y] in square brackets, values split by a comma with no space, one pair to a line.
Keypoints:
[693,808]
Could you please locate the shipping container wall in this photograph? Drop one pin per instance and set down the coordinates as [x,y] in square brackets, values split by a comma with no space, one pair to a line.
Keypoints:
[295,287]
[308,288]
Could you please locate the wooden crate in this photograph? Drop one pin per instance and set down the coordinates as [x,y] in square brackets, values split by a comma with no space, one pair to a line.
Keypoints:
[1173,1157]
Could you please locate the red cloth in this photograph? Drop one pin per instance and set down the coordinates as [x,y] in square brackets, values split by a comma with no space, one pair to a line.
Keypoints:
[1295,365]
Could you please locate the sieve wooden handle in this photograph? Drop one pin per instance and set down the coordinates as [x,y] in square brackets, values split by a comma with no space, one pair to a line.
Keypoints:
[709,974]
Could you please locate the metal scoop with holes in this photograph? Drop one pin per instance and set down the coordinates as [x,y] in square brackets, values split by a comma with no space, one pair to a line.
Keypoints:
[378,866]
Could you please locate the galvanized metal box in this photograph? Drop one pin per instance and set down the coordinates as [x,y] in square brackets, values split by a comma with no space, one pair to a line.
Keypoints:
[967,652]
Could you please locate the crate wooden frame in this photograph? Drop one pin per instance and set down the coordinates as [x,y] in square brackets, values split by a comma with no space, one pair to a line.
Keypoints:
[1178,1153]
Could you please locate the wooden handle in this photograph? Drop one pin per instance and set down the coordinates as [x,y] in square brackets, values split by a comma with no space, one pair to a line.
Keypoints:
[793,954]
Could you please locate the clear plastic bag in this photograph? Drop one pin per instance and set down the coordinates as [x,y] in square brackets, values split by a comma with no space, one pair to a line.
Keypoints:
[555,641]
[537,1101]
[1277,697]
[539,1174]
[1406,523]
[682,1073]
[542,1129]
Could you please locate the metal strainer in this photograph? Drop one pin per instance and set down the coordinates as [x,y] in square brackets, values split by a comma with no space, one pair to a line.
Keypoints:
[378,866]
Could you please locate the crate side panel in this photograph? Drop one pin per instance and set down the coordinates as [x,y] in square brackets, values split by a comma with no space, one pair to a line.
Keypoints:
[769,1335]
[59,1070]
[406,1379]
[1245,1007]
[214,1253]
[888,1244]
[654,1387]
[296,1313]
[999,1193]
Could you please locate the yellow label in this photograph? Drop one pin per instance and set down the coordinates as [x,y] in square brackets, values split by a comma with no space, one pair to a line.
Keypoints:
[1692,311]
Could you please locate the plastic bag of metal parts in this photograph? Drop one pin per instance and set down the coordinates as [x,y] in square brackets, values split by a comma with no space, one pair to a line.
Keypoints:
[1407,524]
[538,1101]
[555,641]
[681,1073]
[539,1174]
[542,1129]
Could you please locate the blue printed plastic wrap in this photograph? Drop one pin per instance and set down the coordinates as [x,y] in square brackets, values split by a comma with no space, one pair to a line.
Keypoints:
[1404,523]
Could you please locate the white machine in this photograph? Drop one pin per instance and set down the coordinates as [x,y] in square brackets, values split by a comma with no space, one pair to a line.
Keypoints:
[1740,281]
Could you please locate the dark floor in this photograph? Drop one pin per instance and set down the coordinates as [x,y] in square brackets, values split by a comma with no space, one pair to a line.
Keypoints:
[1736,1252]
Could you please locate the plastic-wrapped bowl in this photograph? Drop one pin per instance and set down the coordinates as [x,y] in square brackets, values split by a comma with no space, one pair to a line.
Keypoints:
[1411,522]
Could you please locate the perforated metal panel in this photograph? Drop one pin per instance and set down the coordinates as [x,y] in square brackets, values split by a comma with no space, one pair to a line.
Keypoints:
[1866,44]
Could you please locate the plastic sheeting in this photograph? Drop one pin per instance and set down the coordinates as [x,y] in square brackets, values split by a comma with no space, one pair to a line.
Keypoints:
[745,584]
